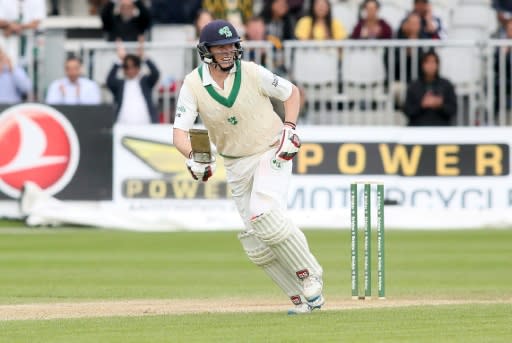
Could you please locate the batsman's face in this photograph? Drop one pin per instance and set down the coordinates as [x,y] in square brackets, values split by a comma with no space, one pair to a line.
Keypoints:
[224,55]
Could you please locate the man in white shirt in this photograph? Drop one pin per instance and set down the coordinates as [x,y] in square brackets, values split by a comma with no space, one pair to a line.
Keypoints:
[232,97]
[133,94]
[18,17]
[73,89]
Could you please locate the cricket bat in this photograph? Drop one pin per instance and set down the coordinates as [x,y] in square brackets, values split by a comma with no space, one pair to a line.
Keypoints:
[201,149]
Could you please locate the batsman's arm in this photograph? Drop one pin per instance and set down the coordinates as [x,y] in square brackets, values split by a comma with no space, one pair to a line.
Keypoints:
[279,88]
[292,106]
[186,114]
[181,142]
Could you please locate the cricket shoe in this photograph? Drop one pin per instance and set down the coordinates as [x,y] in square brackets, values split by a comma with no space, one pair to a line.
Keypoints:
[303,308]
[313,286]
[307,307]
[317,302]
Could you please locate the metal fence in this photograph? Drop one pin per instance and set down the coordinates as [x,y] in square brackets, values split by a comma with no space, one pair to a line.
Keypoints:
[173,59]
[350,82]
[364,82]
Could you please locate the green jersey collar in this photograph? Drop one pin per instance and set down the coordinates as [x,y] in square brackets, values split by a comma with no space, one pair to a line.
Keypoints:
[230,100]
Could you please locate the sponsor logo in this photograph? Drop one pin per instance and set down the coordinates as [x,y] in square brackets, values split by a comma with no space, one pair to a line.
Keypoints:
[275,164]
[409,160]
[275,81]
[296,300]
[302,274]
[38,144]
[172,179]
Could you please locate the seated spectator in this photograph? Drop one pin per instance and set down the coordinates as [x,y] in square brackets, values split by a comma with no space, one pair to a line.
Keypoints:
[237,12]
[278,22]
[202,18]
[411,29]
[15,84]
[503,13]
[370,26]
[73,89]
[430,100]
[255,31]
[133,94]
[174,11]
[127,20]
[296,9]
[319,24]
[430,25]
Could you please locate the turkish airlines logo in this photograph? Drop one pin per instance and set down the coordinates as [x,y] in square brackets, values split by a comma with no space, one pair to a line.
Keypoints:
[38,144]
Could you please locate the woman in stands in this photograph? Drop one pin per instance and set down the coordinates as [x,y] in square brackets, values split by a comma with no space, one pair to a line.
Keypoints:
[319,24]
[279,24]
[370,26]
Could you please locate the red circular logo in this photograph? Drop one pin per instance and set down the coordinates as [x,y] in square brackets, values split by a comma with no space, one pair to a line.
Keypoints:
[38,144]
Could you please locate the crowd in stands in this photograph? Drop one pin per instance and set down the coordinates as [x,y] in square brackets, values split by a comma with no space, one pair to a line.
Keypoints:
[430,99]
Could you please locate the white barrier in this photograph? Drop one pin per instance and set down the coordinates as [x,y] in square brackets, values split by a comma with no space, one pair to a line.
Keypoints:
[350,82]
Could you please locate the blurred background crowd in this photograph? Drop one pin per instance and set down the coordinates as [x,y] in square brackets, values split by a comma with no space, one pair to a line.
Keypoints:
[398,62]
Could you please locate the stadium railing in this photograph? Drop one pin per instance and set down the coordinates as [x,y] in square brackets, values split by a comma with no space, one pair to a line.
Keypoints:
[349,82]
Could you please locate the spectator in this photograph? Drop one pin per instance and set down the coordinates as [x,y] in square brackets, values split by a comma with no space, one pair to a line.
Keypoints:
[18,19]
[319,24]
[370,26]
[174,11]
[132,95]
[127,20]
[203,17]
[255,31]
[31,13]
[95,6]
[505,72]
[296,9]
[411,30]
[503,13]
[54,9]
[73,89]
[237,12]
[14,81]
[431,99]
[278,22]
[430,25]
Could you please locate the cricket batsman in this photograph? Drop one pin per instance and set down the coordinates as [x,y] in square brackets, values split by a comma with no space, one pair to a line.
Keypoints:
[232,98]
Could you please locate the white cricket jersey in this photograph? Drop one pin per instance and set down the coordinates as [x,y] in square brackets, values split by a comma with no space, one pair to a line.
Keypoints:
[239,117]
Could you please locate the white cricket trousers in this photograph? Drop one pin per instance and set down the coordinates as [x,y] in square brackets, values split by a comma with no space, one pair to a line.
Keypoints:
[257,184]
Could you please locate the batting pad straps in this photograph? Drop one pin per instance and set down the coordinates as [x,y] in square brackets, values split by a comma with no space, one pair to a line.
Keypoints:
[272,227]
[261,255]
[258,253]
[287,242]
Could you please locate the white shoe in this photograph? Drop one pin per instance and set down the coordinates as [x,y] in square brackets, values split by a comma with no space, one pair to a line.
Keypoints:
[303,308]
[312,287]
[316,303]
[306,308]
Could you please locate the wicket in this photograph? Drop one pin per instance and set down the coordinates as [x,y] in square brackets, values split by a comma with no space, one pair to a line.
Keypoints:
[367,239]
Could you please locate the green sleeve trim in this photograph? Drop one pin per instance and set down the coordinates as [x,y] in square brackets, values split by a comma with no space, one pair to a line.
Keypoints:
[229,101]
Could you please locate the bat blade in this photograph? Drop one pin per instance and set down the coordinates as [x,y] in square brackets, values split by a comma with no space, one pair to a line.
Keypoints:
[201,149]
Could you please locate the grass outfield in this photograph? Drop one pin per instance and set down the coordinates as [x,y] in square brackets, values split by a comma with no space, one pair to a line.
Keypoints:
[79,265]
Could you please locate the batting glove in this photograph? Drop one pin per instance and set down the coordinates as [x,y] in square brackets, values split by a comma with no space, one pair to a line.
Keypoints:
[201,171]
[289,143]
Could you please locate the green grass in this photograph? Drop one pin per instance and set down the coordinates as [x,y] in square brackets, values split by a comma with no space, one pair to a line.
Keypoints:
[83,264]
[57,265]
[464,323]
